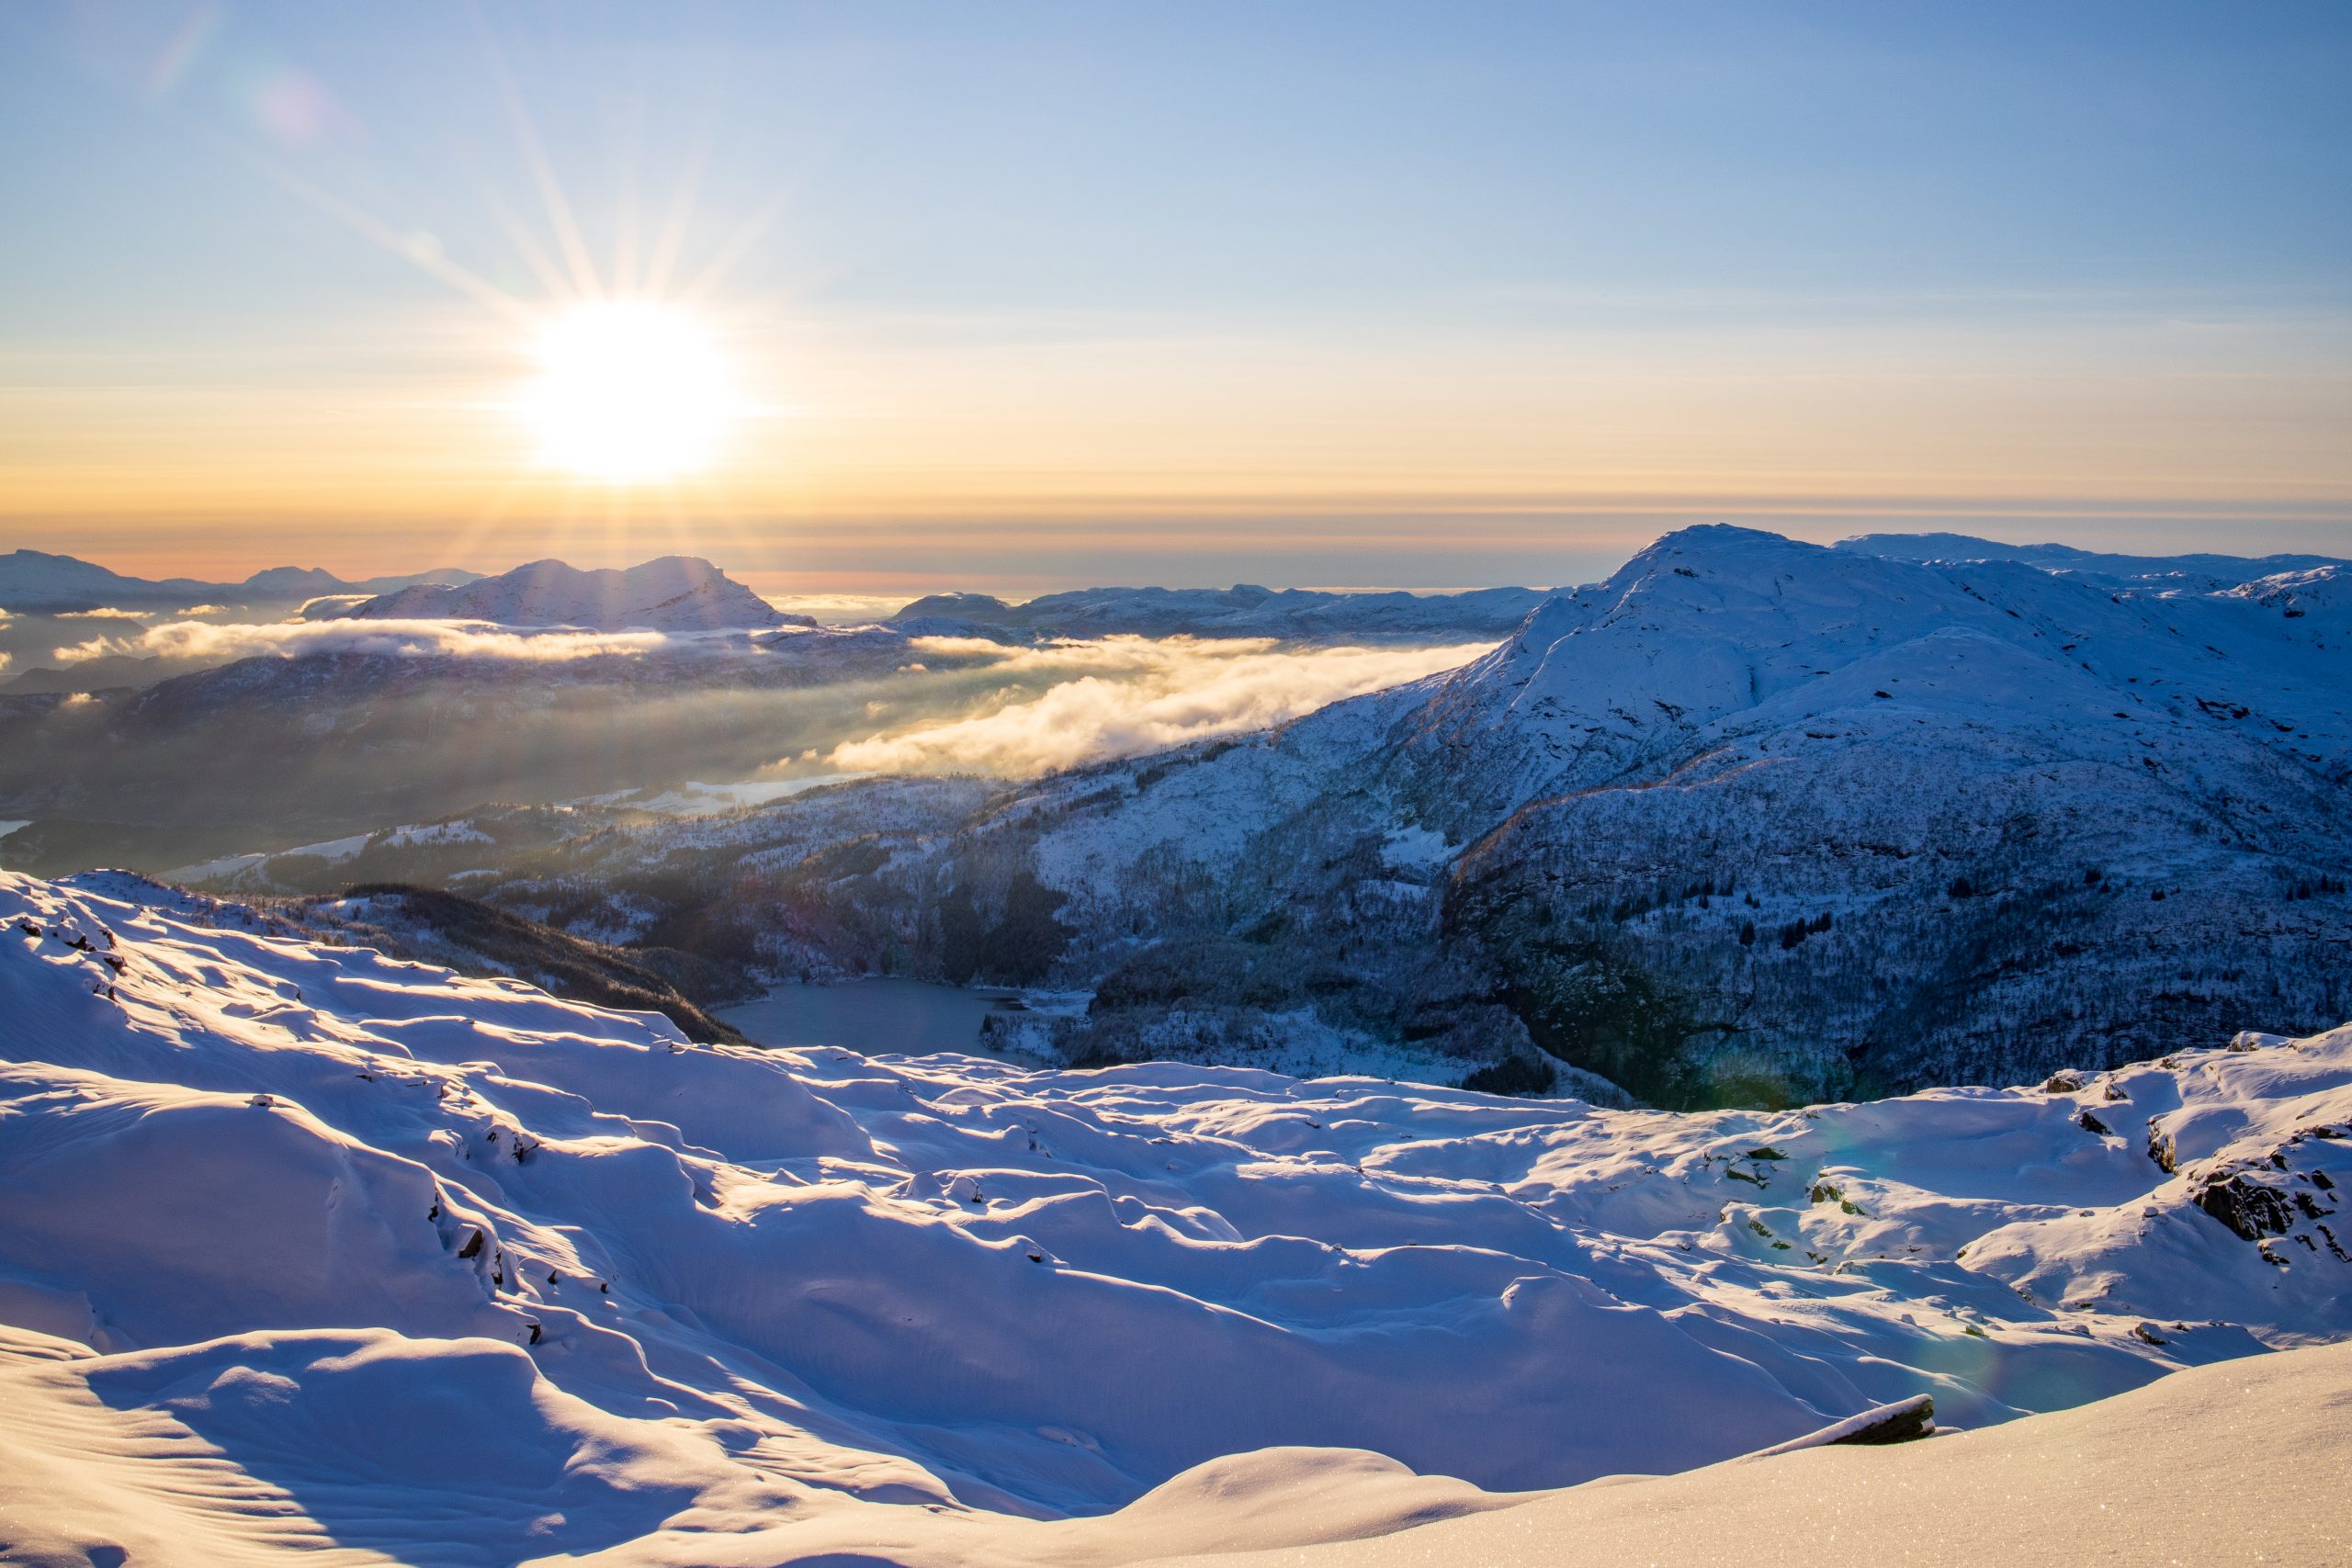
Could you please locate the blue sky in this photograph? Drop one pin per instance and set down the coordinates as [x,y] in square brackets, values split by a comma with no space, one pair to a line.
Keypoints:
[1036,292]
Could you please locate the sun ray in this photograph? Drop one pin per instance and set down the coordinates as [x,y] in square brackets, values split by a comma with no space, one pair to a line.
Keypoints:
[673,239]
[713,275]
[628,158]
[569,238]
[488,517]
[528,248]
[424,256]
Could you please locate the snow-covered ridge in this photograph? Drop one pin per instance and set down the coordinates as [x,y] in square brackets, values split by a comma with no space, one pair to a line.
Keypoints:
[452,1265]
[2199,572]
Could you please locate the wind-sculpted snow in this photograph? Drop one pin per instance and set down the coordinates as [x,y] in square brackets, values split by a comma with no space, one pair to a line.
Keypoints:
[448,1269]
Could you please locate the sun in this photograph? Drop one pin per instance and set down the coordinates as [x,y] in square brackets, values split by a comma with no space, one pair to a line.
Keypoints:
[628,392]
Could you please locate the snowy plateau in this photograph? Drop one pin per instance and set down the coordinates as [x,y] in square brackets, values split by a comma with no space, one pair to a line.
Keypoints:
[310,1253]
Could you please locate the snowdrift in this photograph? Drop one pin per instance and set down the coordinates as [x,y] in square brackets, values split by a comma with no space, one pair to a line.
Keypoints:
[309,1247]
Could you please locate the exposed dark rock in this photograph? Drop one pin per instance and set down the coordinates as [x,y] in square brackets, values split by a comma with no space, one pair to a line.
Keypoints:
[2245,1205]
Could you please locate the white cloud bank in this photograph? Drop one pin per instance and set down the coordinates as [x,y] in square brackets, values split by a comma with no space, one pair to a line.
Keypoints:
[202,640]
[1130,694]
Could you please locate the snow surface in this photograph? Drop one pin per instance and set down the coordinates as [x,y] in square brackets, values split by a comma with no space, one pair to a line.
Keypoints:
[305,1244]
[2241,1464]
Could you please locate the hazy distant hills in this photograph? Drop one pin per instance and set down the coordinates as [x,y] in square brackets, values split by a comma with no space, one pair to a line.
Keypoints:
[1243,610]
[33,581]
[123,742]
[675,594]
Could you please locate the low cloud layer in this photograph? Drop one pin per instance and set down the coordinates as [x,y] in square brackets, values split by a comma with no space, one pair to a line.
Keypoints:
[1124,695]
[203,641]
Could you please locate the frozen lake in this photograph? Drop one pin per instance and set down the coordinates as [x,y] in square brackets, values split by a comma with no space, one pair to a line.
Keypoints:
[872,1016]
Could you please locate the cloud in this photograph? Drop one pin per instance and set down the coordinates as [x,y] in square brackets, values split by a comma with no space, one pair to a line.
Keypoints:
[101,613]
[1124,695]
[96,648]
[203,641]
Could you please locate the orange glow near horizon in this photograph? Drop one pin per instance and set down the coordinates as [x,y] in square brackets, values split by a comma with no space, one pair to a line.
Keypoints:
[991,455]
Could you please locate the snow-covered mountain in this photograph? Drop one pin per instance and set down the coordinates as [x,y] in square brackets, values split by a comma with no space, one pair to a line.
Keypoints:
[310,1250]
[34,580]
[1243,610]
[1751,821]
[675,594]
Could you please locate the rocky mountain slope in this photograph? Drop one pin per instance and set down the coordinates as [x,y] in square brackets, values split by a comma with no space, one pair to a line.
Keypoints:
[1751,821]
[312,1249]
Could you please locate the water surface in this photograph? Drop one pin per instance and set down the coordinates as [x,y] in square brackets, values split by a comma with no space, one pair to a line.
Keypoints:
[872,1016]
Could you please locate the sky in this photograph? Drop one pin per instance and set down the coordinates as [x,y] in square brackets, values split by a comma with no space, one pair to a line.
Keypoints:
[1023,296]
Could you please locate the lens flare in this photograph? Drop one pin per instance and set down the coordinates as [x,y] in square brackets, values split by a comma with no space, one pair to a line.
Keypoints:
[628,392]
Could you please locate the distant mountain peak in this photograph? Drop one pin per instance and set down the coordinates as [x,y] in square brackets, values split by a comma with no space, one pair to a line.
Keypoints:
[679,593]
[37,580]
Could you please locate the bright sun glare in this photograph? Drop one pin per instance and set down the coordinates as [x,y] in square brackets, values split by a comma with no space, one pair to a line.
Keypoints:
[628,392]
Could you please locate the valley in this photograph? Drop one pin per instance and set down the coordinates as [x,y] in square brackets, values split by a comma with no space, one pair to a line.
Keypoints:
[1750,822]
